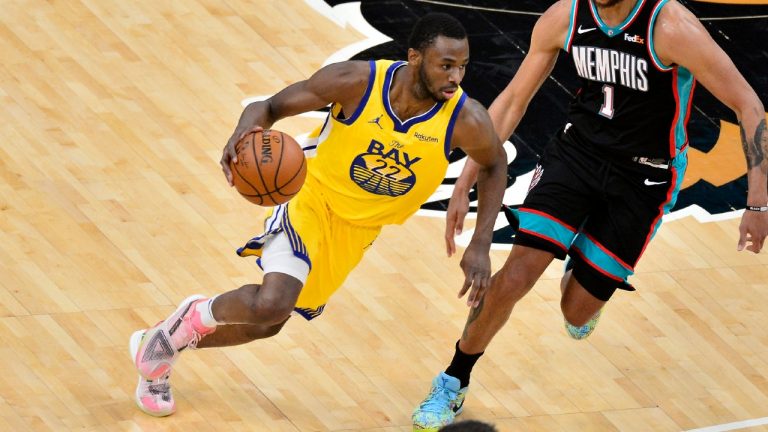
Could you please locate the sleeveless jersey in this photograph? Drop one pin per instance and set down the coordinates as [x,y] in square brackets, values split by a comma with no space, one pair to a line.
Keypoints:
[374,168]
[629,103]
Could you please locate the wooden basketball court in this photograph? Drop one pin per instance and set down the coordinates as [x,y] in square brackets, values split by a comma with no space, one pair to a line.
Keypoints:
[113,208]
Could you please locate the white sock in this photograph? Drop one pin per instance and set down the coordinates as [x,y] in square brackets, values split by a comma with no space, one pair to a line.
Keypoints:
[204,308]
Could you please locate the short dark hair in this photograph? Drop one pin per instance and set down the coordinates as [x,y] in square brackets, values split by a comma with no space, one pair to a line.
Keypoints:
[468,426]
[432,25]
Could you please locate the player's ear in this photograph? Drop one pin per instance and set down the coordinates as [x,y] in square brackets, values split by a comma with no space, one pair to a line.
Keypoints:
[414,57]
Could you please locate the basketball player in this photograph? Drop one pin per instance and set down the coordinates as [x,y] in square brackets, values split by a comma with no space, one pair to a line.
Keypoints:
[382,151]
[603,184]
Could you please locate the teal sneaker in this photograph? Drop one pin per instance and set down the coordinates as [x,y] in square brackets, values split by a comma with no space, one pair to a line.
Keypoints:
[582,332]
[444,403]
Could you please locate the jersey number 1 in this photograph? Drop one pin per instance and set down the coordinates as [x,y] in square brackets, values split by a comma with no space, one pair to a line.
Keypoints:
[607,109]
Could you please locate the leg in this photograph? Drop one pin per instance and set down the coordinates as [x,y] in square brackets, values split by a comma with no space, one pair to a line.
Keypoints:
[265,306]
[522,269]
[579,306]
[262,305]
[238,334]
[557,203]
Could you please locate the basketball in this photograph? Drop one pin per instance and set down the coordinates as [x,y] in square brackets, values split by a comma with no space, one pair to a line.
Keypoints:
[270,167]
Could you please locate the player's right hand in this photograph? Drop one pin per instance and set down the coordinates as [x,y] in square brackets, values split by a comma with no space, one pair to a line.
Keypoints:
[458,207]
[229,154]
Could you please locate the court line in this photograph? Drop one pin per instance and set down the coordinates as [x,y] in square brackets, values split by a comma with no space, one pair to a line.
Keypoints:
[732,426]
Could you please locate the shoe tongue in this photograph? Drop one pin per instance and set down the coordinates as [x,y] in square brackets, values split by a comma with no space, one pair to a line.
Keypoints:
[450,382]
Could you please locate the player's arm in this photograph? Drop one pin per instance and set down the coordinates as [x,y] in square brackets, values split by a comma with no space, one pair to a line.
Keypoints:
[474,134]
[510,105]
[342,83]
[680,39]
[508,108]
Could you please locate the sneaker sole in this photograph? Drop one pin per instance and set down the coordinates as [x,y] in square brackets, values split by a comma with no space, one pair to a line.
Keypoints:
[417,428]
[137,399]
[135,345]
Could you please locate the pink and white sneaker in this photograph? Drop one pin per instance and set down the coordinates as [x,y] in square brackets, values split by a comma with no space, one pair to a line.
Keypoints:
[154,397]
[162,344]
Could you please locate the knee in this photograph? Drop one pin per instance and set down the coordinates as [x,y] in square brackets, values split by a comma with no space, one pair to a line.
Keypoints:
[575,313]
[253,332]
[269,310]
[572,313]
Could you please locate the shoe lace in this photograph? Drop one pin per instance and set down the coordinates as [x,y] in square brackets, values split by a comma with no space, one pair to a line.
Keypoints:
[439,399]
[195,340]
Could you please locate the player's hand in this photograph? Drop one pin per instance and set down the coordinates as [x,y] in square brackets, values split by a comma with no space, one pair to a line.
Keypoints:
[458,207]
[476,265]
[753,230]
[229,154]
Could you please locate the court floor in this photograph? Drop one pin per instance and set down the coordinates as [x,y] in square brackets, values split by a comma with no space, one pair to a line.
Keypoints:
[113,208]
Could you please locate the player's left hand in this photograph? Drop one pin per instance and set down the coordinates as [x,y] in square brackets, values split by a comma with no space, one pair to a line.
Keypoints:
[476,265]
[753,230]
[229,153]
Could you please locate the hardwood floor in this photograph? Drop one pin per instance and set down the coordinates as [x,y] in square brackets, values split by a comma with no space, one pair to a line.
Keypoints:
[113,208]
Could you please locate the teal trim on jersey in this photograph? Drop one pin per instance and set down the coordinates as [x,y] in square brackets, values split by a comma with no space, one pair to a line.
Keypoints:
[571,25]
[614,31]
[678,166]
[547,227]
[651,48]
[598,257]
[684,89]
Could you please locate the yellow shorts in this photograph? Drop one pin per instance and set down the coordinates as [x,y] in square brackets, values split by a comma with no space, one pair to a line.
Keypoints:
[330,245]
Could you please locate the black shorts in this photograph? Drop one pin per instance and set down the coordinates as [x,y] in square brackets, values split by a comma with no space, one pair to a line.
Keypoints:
[600,211]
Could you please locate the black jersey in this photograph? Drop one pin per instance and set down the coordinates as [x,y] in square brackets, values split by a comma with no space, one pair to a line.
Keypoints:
[629,103]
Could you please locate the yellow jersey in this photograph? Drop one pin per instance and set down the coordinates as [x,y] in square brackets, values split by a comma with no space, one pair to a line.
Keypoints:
[373,168]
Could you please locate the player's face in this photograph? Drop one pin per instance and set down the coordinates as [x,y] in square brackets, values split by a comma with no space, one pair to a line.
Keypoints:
[442,67]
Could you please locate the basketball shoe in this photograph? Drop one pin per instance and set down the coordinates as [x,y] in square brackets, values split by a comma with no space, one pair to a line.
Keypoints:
[584,331]
[154,397]
[444,402]
[162,344]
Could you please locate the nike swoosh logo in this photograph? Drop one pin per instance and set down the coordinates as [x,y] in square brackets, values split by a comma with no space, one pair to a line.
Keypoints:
[582,31]
[652,183]
[457,408]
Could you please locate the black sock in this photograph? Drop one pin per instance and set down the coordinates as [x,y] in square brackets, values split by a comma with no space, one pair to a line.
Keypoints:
[461,365]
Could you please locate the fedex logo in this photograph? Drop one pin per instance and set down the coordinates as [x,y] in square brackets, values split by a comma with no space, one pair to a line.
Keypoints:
[635,38]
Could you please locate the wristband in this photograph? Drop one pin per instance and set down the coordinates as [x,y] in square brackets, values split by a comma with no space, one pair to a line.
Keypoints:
[757,209]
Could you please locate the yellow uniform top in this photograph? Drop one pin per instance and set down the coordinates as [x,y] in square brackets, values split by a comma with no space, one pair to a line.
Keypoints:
[374,168]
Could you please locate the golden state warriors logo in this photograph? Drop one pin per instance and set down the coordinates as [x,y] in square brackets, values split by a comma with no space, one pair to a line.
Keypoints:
[383,171]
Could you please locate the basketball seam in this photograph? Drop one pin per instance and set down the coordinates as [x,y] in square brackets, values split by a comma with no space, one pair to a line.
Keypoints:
[248,182]
[303,161]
